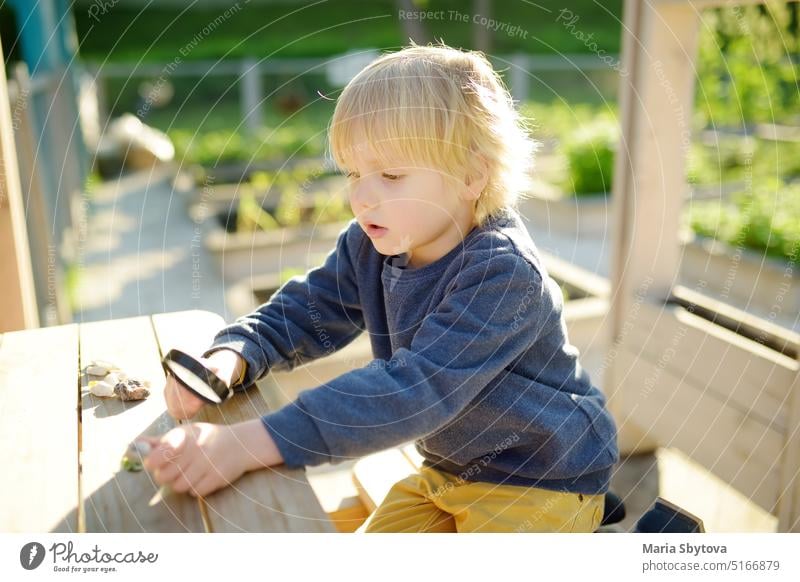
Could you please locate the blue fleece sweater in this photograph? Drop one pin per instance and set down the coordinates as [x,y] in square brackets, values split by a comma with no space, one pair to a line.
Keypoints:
[472,362]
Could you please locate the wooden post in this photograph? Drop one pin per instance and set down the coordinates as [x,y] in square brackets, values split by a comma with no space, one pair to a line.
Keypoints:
[17,293]
[789,493]
[481,36]
[252,94]
[656,100]
[519,76]
[46,266]
[67,136]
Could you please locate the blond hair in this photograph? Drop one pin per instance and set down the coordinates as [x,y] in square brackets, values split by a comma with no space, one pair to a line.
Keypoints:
[437,106]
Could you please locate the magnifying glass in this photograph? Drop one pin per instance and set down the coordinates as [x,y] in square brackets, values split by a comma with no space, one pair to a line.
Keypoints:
[195,377]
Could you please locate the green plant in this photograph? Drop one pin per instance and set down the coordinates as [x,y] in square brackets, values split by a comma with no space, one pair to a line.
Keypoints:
[768,219]
[289,211]
[262,181]
[590,157]
[746,72]
[330,208]
[250,215]
[92,182]
[701,167]
[72,282]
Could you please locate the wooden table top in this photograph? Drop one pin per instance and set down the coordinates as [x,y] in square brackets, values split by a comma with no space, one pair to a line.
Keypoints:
[61,446]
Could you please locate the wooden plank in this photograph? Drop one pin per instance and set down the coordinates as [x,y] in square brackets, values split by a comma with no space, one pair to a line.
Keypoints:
[275,499]
[739,448]
[413,456]
[785,340]
[734,369]
[721,507]
[789,510]
[591,283]
[659,45]
[375,474]
[630,437]
[333,485]
[17,293]
[39,430]
[46,265]
[116,500]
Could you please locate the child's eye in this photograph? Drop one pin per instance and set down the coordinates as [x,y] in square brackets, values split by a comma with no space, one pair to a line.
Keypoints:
[391,176]
[352,175]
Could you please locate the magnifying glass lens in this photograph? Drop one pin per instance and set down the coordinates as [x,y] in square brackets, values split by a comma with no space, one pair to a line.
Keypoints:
[195,377]
[193,382]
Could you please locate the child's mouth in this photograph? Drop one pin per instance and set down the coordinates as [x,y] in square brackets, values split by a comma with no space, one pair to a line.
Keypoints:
[375,231]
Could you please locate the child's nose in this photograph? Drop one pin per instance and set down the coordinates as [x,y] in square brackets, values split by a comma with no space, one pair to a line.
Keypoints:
[362,197]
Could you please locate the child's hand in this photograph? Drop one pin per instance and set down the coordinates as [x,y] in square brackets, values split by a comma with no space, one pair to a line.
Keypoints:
[200,458]
[196,458]
[181,403]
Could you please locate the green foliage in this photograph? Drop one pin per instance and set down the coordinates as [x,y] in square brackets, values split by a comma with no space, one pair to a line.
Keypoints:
[768,219]
[590,157]
[211,134]
[92,183]
[736,158]
[231,145]
[558,119]
[330,208]
[745,69]
[293,207]
[72,281]
[700,167]
[250,215]
[288,211]
[262,181]
[160,31]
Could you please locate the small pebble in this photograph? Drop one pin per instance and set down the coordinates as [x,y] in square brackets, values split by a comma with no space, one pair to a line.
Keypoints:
[95,370]
[110,381]
[101,388]
[143,448]
[131,389]
[100,368]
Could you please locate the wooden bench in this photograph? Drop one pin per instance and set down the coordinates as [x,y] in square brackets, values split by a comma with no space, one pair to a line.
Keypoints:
[63,445]
[375,474]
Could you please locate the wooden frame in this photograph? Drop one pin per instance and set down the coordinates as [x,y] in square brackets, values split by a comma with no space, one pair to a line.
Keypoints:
[17,292]
[678,379]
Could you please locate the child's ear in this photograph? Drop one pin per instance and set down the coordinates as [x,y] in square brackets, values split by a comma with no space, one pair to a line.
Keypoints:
[477,176]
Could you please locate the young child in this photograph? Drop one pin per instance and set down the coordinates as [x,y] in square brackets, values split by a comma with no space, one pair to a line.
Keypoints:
[472,359]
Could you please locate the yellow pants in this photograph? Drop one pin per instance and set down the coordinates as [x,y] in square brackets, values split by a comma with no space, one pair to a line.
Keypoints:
[435,501]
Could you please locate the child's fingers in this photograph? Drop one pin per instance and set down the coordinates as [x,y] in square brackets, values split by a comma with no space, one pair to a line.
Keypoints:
[167,474]
[207,484]
[188,478]
[166,450]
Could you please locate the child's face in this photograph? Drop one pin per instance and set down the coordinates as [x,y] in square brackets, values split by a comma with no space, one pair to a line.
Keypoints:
[420,212]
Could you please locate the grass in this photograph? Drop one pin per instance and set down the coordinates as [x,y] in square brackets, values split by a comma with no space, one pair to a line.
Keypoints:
[126,33]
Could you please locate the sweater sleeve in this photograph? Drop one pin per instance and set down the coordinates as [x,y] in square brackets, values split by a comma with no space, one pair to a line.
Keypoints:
[494,311]
[309,317]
